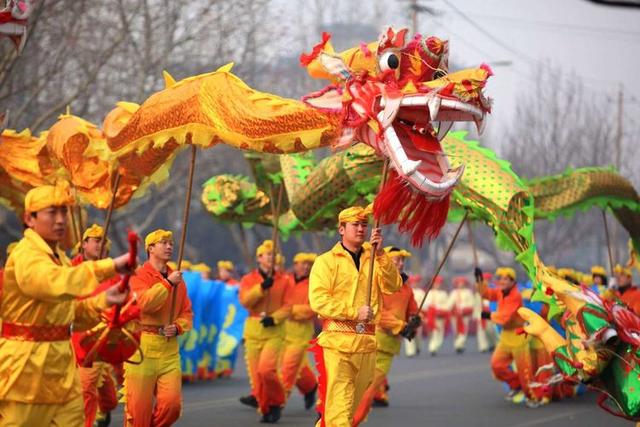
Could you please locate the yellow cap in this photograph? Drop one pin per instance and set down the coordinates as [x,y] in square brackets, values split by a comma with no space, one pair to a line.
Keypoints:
[201,268]
[598,269]
[10,247]
[186,265]
[567,273]
[280,260]
[552,269]
[156,236]
[507,272]
[172,265]
[304,257]
[225,265]
[622,270]
[355,214]
[395,252]
[45,196]
[265,247]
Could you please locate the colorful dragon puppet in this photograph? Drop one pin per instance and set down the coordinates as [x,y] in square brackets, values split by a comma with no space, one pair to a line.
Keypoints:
[393,95]
[494,195]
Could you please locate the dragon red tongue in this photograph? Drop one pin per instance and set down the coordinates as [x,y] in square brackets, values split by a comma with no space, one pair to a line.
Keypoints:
[414,213]
[425,142]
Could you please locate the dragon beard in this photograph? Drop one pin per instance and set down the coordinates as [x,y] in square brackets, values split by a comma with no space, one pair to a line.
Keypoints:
[414,213]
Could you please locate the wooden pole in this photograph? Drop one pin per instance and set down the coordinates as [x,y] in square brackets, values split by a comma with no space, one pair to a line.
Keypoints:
[374,248]
[443,260]
[183,236]
[275,210]
[107,222]
[474,249]
[606,232]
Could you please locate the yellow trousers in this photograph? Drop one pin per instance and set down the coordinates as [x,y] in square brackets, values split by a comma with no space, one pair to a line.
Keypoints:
[158,376]
[348,376]
[17,414]
[383,366]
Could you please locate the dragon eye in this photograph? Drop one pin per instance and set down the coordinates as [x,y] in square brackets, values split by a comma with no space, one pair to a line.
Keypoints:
[389,61]
[438,74]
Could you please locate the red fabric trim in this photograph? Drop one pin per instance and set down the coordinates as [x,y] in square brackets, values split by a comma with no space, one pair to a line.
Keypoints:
[36,333]
[318,355]
[307,58]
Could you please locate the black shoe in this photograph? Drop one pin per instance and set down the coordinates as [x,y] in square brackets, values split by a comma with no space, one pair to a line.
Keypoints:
[106,421]
[310,398]
[433,353]
[459,350]
[272,417]
[380,403]
[249,401]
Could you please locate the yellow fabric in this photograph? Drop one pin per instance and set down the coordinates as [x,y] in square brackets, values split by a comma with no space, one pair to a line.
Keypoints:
[10,247]
[387,342]
[38,290]
[201,268]
[348,376]
[337,290]
[401,252]
[225,265]
[507,272]
[265,247]
[622,270]
[45,196]
[156,236]
[14,414]
[355,214]
[172,265]
[598,269]
[280,260]
[298,331]
[567,273]
[384,360]
[305,257]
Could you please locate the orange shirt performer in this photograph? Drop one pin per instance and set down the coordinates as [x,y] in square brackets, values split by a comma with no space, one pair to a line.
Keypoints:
[39,383]
[299,329]
[159,375]
[346,351]
[263,295]
[399,319]
[512,346]
[97,380]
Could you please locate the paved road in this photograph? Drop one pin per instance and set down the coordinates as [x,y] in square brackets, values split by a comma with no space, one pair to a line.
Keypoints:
[446,390]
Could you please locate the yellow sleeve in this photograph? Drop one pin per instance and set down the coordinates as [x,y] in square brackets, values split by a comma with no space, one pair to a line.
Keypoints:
[281,314]
[387,275]
[301,312]
[321,296]
[250,293]
[40,278]
[152,299]
[391,323]
[87,311]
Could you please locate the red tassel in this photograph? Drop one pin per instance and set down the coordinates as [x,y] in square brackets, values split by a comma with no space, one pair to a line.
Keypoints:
[414,213]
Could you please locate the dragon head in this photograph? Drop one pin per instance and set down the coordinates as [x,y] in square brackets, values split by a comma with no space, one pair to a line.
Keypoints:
[399,98]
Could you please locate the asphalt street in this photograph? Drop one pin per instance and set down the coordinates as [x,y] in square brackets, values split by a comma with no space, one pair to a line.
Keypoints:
[446,390]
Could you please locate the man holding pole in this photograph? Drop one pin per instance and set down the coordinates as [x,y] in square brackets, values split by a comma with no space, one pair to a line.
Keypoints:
[159,375]
[299,330]
[262,292]
[348,298]
[39,384]
[98,385]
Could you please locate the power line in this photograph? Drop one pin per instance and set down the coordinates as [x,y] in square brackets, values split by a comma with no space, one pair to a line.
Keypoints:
[488,34]
[558,25]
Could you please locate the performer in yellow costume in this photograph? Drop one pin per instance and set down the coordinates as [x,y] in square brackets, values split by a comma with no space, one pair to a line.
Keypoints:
[263,293]
[159,375]
[299,330]
[399,318]
[39,383]
[346,351]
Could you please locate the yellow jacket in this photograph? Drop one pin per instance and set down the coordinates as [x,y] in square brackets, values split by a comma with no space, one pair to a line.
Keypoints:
[40,288]
[337,290]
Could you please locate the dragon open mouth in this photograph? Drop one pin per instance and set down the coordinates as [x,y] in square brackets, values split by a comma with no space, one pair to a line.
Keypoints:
[412,140]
